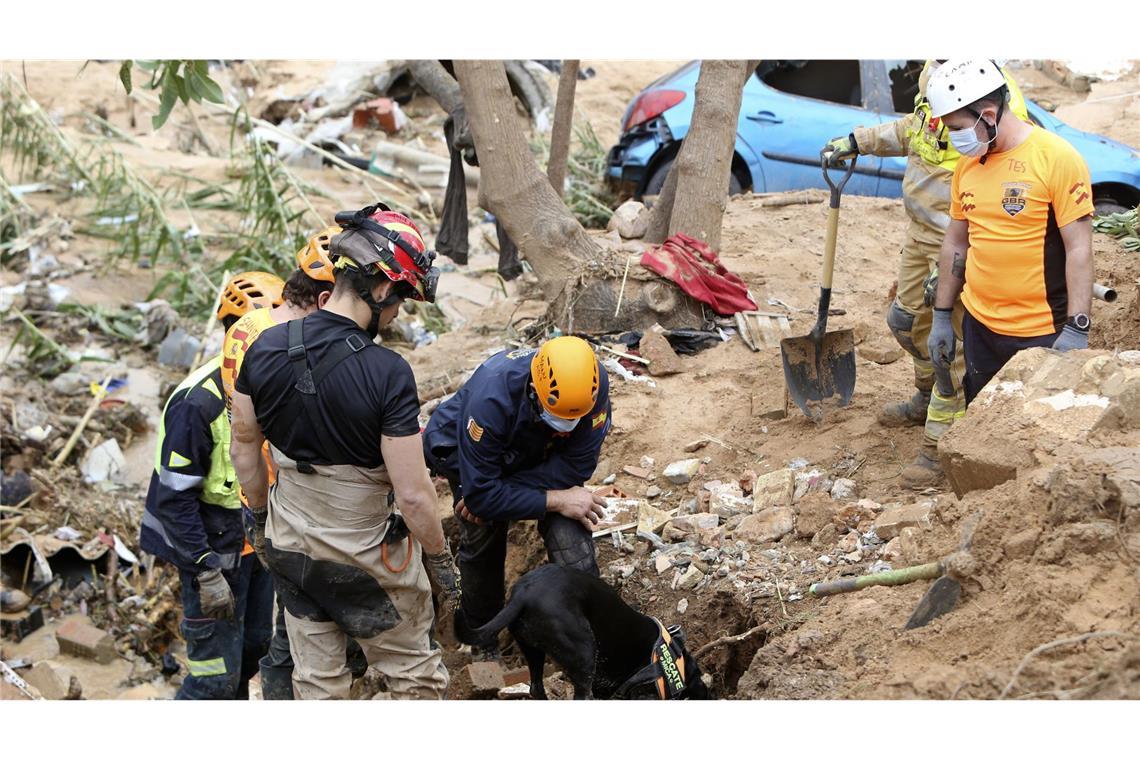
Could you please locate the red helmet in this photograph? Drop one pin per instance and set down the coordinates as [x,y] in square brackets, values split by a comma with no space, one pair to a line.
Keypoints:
[394,246]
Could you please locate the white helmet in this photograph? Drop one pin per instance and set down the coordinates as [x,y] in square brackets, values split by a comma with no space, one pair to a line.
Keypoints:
[958,83]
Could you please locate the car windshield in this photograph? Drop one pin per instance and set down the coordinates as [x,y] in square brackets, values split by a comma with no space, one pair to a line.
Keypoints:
[834,81]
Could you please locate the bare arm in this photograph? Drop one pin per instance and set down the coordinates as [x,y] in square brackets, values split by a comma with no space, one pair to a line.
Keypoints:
[952,264]
[1077,236]
[415,495]
[246,439]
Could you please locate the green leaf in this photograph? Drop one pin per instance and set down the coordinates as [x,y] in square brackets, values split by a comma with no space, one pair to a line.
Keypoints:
[211,91]
[148,65]
[194,84]
[183,90]
[125,75]
[169,96]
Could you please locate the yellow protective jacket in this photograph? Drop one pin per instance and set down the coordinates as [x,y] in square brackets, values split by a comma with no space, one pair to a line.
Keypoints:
[930,157]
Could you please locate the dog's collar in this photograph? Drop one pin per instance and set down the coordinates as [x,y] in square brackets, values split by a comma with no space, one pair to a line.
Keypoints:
[666,668]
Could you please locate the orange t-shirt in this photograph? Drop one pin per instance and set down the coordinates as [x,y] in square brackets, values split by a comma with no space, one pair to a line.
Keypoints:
[237,341]
[1015,203]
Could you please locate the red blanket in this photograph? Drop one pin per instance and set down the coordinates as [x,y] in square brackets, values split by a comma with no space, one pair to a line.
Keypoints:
[697,270]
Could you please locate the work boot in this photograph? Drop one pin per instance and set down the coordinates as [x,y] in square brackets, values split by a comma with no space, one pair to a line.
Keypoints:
[923,472]
[911,412]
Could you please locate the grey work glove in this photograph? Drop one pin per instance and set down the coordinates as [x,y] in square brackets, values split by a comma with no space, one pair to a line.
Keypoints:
[941,342]
[443,570]
[214,595]
[840,148]
[1071,338]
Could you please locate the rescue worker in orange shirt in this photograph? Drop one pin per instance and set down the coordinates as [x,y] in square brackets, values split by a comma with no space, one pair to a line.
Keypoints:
[1019,245]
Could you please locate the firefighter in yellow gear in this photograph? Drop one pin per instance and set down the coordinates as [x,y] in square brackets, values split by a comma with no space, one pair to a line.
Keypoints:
[931,159]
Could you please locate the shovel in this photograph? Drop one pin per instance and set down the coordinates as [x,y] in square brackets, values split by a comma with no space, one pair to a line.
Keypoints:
[821,364]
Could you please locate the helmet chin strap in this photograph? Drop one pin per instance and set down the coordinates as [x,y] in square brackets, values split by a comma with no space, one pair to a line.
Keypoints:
[376,307]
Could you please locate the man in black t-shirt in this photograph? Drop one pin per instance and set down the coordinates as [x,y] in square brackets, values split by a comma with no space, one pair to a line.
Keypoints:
[340,414]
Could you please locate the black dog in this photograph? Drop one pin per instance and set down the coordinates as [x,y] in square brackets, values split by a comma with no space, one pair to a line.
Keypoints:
[607,649]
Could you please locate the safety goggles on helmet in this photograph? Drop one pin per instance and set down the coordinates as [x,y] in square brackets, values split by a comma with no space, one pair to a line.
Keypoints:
[375,239]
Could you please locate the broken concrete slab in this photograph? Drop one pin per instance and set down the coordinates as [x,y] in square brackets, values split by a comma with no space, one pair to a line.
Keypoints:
[650,519]
[482,679]
[690,579]
[663,360]
[770,524]
[773,489]
[892,521]
[1040,403]
[79,638]
[681,472]
[54,681]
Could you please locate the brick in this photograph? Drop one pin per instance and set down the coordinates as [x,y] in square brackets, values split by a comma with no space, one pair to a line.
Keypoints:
[891,522]
[79,638]
[636,472]
[485,678]
[516,676]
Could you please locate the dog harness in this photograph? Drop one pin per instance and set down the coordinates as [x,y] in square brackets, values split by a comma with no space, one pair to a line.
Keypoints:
[666,668]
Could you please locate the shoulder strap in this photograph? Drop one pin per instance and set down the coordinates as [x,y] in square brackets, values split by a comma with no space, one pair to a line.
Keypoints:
[307,379]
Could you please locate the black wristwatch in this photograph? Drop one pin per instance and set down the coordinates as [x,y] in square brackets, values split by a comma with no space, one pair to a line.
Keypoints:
[1079,322]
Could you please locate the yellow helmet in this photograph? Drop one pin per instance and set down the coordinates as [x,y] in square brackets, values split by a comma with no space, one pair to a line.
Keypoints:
[313,259]
[565,375]
[248,291]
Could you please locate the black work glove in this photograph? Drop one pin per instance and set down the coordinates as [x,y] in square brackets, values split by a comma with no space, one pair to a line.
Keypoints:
[253,523]
[214,595]
[443,570]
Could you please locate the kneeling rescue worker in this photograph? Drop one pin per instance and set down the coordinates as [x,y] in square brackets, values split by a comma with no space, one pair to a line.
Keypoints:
[517,442]
[306,290]
[341,417]
[193,520]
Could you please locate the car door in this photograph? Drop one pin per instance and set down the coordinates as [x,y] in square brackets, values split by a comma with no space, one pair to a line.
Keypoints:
[792,108]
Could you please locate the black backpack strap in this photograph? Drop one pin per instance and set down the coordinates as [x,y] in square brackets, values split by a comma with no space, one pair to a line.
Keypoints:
[308,380]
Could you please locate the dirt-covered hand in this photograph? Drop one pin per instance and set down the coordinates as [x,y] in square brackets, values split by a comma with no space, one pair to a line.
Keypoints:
[941,342]
[580,504]
[214,595]
[443,570]
[253,522]
[1070,339]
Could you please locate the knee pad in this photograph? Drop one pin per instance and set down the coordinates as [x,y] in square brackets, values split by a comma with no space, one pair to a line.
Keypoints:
[901,323]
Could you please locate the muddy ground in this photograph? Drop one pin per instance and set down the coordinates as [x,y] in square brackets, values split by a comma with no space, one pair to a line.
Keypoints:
[844,647]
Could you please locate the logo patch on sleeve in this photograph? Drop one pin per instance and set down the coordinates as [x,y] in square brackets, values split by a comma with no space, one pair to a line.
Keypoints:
[474,429]
[599,420]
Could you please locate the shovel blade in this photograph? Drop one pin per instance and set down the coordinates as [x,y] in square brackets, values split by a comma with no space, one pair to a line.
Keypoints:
[939,599]
[817,369]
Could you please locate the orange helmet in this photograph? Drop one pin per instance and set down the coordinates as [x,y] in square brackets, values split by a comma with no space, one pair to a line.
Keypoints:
[248,291]
[313,259]
[565,375]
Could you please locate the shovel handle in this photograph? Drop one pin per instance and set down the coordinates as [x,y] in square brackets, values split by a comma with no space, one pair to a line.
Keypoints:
[832,232]
[898,577]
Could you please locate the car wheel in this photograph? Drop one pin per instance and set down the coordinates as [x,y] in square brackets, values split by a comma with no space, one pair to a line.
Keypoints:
[657,180]
[1105,206]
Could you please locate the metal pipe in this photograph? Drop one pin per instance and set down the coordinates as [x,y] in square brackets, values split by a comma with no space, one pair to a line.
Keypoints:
[1104,293]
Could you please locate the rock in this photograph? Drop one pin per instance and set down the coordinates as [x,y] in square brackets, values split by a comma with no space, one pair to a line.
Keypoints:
[178,349]
[516,676]
[697,445]
[79,638]
[69,384]
[662,563]
[650,519]
[15,488]
[727,499]
[851,515]
[690,579]
[630,219]
[812,480]
[847,544]
[681,472]
[484,679]
[609,480]
[908,545]
[1021,544]
[695,522]
[13,600]
[813,512]
[673,534]
[747,481]
[892,552]
[773,489]
[54,681]
[652,492]
[769,406]
[871,506]
[621,570]
[891,522]
[663,360]
[636,472]
[141,692]
[767,525]
[825,537]
[647,463]
[844,489]
[682,606]
[882,351]
[104,462]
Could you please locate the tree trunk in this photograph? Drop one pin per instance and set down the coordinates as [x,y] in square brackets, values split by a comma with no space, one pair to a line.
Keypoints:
[433,77]
[563,121]
[700,175]
[512,187]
